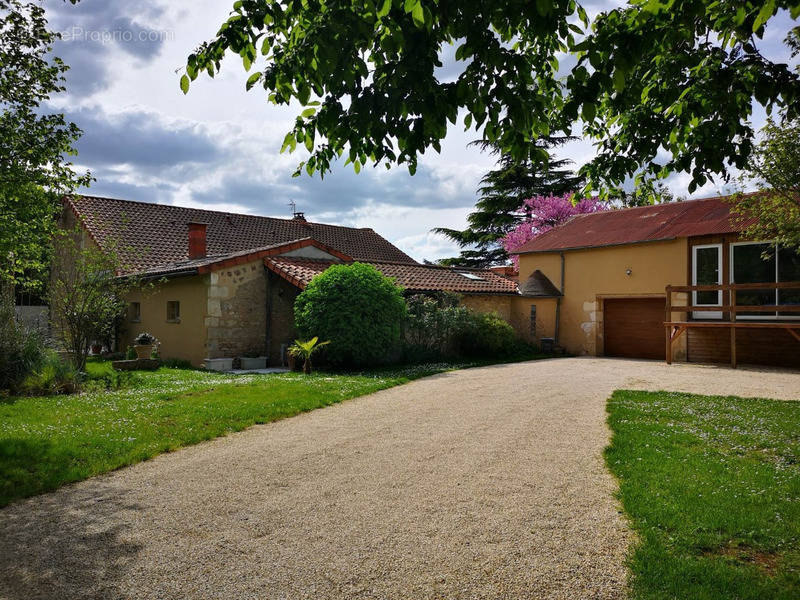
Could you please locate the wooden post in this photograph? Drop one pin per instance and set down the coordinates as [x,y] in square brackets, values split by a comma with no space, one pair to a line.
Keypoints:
[667,327]
[732,295]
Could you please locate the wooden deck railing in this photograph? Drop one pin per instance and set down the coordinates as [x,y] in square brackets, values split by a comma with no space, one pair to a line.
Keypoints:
[730,310]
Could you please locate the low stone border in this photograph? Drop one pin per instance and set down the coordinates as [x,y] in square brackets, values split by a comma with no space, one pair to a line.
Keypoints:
[139,364]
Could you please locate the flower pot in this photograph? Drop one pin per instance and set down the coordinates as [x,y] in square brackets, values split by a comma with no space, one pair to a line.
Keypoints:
[249,364]
[144,350]
[219,364]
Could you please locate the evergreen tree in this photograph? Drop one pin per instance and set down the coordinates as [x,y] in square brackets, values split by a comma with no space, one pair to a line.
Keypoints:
[502,193]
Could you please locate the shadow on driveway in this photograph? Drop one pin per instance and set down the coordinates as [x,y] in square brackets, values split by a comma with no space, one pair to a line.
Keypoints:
[70,544]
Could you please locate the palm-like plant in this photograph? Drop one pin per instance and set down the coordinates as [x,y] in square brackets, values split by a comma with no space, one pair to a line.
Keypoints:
[305,350]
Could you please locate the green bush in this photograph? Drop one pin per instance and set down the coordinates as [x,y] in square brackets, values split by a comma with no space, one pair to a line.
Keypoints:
[485,335]
[131,354]
[176,363]
[355,307]
[53,376]
[431,326]
[21,351]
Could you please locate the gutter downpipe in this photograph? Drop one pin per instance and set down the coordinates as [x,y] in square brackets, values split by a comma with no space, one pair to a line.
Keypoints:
[558,301]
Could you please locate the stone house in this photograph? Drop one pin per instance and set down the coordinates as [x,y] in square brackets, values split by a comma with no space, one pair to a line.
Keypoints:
[224,284]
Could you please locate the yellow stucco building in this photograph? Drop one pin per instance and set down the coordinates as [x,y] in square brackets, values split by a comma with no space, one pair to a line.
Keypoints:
[611,271]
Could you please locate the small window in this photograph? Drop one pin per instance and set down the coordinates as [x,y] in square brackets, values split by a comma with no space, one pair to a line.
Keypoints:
[471,276]
[173,311]
[135,312]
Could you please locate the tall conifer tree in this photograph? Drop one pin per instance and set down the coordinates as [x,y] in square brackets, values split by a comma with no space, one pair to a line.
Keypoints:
[502,193]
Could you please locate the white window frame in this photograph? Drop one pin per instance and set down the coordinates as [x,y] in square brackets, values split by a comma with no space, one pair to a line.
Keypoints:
[763,316]
[707,314]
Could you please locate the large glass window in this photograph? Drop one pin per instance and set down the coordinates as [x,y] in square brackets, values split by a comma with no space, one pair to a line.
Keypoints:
[788,270]
[764,263]
[707,270]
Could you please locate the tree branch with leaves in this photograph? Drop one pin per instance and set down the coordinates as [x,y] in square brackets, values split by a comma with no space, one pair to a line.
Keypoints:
[650,79]
[773,212]
[34,144]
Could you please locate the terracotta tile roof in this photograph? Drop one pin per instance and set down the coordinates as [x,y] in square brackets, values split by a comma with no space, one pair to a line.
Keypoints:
[154,235]
[212,263]
[641,224]
[538,286]
[413,277]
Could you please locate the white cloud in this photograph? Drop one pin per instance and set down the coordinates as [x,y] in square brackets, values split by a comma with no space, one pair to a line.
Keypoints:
[218,147]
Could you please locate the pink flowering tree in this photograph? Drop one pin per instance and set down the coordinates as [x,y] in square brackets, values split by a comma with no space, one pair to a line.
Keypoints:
[542,213]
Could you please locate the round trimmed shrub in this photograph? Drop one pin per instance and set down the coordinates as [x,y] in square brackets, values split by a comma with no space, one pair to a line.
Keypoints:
[357,309]
[486,335]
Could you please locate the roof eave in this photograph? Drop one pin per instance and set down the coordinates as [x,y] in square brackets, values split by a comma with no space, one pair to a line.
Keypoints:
[571,248]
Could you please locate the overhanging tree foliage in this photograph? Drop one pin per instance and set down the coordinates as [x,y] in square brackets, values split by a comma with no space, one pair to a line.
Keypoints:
[502,192]
[34,172]
[671,75]
[773,213]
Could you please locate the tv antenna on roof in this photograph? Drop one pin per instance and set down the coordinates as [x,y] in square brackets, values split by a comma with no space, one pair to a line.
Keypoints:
[297,216]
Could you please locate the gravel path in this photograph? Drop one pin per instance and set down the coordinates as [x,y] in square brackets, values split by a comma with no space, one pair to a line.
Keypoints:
[484,483]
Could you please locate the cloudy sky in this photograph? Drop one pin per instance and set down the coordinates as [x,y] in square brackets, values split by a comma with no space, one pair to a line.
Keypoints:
[219,147]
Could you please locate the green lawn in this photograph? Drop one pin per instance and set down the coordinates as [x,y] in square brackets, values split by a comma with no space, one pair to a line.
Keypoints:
[46,442]
[712,487]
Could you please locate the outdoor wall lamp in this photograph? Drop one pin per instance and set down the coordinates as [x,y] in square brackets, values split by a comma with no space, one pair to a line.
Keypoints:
[628,272]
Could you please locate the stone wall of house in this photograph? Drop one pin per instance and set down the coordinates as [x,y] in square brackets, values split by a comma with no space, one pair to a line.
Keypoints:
[282,331]
[236,311]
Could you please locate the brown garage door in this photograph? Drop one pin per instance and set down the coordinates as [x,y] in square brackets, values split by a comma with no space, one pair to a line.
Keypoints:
[634,327]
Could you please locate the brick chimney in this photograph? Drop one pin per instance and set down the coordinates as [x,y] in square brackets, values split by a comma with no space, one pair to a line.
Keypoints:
[197,240]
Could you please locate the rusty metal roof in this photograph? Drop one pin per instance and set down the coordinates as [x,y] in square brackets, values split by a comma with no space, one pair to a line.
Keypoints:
[659,222]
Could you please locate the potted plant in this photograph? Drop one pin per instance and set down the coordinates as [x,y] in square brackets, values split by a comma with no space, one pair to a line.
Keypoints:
[143,344]
[304,351]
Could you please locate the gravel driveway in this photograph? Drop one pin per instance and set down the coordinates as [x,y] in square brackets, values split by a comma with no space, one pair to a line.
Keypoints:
[484,483]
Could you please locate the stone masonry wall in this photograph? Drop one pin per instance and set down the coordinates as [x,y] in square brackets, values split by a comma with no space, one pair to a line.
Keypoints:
[236,314]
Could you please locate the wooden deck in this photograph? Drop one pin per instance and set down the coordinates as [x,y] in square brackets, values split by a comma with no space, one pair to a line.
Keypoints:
[730,312]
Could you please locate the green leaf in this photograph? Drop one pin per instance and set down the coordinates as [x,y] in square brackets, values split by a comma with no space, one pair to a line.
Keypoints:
[309,112]
[289,142]
[384,10]
[619,80]
[418,14]
[764,14]
[252,80]
[589,112]
[185,84]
